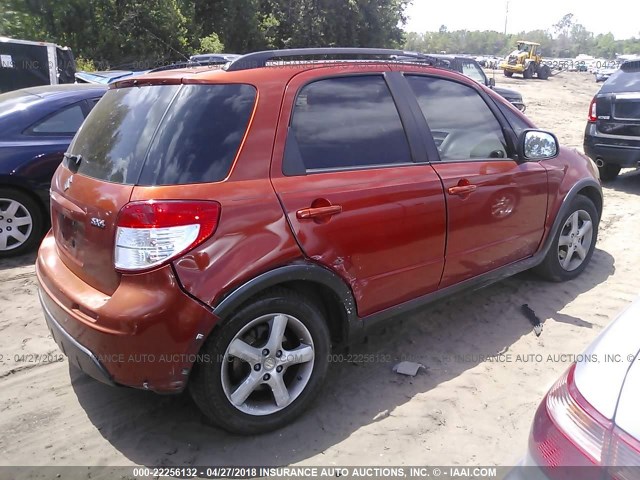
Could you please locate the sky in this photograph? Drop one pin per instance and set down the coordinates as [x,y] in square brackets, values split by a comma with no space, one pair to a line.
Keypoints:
[621,18]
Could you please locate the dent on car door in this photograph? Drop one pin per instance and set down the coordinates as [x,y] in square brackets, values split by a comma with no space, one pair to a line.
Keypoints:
[355,199]
[496,205]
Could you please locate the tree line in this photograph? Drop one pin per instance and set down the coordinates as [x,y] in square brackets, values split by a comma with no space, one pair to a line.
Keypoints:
[565,39]
[114,33]
[141,34]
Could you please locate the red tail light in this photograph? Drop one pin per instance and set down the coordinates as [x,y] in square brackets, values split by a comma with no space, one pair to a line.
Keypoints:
[152,233]
[568,432]
[592,110]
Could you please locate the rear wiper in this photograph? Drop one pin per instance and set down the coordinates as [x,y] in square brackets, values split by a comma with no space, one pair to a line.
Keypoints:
[76,159]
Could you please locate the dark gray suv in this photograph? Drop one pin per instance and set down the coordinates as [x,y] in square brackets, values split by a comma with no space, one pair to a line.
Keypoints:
[612,136]
[471,68]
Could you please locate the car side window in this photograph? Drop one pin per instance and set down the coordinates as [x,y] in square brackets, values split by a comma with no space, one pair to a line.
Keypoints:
[345,122]
[473,71]
[92,103]
[66,121]
[462,124]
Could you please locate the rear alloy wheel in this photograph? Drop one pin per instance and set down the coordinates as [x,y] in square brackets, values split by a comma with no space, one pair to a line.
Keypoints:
[265,366]
[608,172]
[21,222]
[573,245]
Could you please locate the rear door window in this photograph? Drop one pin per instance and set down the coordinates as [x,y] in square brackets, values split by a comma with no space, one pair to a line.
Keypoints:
[164,135]
[345,122]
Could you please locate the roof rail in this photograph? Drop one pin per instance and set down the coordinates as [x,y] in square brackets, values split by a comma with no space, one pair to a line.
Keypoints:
[260,59]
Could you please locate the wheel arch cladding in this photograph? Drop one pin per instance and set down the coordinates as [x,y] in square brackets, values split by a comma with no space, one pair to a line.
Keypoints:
[593,194]
[320,285]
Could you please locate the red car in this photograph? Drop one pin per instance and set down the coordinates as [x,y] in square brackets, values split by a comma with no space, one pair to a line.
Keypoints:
[222,229]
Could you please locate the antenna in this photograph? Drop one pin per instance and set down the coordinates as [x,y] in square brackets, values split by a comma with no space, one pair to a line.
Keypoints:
[165,43]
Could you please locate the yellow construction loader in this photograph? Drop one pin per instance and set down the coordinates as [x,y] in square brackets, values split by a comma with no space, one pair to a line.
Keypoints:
[526,60]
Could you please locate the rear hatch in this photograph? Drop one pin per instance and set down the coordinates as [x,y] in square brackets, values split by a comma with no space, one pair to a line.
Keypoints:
[618,103]
[619,114]
[150,135]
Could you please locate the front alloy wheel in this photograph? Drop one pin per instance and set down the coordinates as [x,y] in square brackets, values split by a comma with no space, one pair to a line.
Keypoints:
[574,242]
[263,367]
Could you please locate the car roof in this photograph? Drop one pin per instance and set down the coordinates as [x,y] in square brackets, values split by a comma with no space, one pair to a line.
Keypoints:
[34,100]
[105,77]
[71,89]
[444,55]
[451,56]
[282,65]
[526,42]
[207,56]
[283,71]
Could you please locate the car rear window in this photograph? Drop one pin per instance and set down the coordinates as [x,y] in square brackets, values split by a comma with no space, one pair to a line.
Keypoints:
[164,135]
[626,79]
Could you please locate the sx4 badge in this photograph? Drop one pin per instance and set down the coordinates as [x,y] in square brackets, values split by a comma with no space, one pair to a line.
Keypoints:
[98,222]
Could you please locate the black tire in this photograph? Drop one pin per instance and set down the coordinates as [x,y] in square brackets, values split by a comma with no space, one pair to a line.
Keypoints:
[206,383]
[544,72]
[528,72]
[28,206]
[609,172]
[508,74]
[550,268]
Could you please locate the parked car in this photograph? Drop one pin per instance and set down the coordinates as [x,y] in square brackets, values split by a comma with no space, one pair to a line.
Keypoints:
[604,73]
[213,58]
[612,134]
[105,77]
[589,417]
[472,69]
[182,254]
[24,63]
[36,127]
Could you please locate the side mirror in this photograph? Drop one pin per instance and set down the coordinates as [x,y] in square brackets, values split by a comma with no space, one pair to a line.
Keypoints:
[492,82]
[537,145]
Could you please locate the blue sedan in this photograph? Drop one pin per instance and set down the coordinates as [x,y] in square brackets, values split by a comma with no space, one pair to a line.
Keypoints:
[36,127]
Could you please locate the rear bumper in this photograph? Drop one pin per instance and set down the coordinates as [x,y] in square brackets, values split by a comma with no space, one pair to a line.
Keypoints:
[622,151]
[77,354]
[147,335]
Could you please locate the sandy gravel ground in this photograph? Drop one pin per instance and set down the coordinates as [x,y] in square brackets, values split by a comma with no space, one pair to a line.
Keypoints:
[462,410]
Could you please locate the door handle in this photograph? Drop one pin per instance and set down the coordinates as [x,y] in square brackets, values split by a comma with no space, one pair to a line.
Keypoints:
[315,212]
[462,189]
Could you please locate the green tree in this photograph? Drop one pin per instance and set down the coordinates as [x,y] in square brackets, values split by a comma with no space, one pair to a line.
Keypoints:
[211,44]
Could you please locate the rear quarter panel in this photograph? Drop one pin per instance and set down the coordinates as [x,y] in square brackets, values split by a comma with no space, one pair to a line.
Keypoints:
[253,235]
